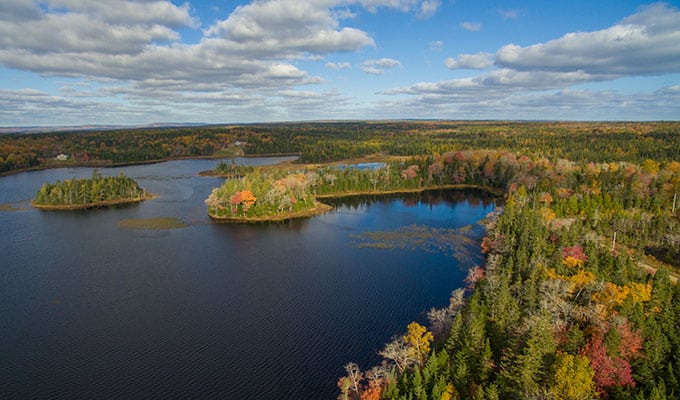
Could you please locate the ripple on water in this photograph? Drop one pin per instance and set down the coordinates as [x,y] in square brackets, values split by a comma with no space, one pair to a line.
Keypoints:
[157,223]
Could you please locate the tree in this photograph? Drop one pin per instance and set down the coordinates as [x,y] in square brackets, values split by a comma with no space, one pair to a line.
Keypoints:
[419,339]
[572,378]
[609,371]
[354,378]
[399,352]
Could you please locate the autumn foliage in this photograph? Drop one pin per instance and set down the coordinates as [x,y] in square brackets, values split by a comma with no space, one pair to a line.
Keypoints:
[609,371]
[573,256]
[560,310]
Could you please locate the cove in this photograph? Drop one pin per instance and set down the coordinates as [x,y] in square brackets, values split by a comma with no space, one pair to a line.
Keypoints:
[93,309]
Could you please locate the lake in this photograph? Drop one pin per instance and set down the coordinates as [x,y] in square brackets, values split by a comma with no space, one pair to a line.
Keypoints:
[93,308]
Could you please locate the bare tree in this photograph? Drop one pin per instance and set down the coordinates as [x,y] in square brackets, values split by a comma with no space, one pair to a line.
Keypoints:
[440,321]
[355,377]
[400,353]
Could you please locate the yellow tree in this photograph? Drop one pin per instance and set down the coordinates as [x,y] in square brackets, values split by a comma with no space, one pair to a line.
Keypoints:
[418,339]
[572,378]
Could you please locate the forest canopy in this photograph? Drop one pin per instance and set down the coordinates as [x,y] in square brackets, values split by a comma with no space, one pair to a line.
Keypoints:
[332,141]
[87,193]
[567,305]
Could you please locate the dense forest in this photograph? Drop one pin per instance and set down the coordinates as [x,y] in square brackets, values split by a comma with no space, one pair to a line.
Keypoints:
[331,141]
[92,192]
[566,306]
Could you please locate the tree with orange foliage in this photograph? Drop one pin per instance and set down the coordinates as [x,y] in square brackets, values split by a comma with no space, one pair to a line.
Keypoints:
[243,198]
[247,200]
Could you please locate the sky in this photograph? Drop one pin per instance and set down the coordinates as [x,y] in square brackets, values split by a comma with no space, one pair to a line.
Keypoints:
[120,62]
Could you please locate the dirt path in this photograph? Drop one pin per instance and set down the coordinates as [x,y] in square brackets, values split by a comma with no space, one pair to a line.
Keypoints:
[652,270]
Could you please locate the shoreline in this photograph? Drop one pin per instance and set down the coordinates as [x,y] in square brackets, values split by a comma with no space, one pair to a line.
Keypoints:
[488,189]
[318,209]
[110,164]
[321,208]
[101,204]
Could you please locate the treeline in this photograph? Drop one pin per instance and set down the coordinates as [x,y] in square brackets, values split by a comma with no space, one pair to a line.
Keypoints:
[19,151]
[89,192]
[564,307]
[599,142]
[331,141]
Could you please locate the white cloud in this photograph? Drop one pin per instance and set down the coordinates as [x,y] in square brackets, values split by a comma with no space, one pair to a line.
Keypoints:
[338,66]
[286,28]
[378,67]
[85,30]
[422,8]
[508,13]
[646,43]
[436,45]
[562,104]
[138,41]
[471,26]
[130,12]
[428,8]
[643,44]
[256,45]
[470,61]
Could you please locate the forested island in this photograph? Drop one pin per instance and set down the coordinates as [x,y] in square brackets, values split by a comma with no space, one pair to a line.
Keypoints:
[97,191]
[265,197]
[577,298]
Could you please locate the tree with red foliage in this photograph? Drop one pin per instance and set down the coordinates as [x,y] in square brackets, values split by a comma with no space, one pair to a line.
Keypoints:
[573,256]
[410,172]
[609,371]
[474,274]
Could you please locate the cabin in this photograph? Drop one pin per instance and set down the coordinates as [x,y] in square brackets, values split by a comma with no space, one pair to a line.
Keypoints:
[62,157]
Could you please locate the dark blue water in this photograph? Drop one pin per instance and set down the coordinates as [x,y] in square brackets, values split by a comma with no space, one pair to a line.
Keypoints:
[90,309]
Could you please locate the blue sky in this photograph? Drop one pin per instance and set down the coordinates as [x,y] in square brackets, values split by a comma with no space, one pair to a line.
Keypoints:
[77,62]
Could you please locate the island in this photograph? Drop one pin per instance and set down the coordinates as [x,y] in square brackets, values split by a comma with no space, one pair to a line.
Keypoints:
[97,191]
[260,196]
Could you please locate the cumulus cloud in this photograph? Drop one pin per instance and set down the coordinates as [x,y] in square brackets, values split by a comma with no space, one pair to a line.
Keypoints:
[89,26]
[286,27]
[643,44]
[646,43]
[471,26]
[378,67]
[428,8]
[470,61]
[137,41]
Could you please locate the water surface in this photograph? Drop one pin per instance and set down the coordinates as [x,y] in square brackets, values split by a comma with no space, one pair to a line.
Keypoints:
[90,308]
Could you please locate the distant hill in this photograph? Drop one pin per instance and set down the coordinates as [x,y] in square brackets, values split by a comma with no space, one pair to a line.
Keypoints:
[72,128]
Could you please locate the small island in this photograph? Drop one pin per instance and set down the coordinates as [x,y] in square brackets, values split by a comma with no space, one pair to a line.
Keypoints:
[97,191]
[261,197]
